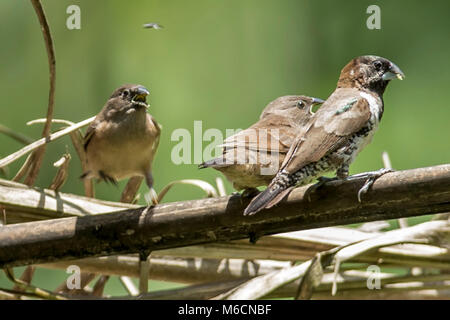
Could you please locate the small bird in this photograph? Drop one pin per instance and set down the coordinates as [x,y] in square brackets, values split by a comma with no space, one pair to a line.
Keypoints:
[122,140]
[337,132]
[252,157]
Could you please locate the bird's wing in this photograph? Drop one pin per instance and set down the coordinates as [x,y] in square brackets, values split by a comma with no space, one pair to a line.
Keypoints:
[329,130]
[90,131]
[274,133]
[276,128]
[157,134]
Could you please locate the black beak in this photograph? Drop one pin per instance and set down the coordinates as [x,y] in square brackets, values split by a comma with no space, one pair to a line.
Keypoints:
[140,94]
[142,91]
[394,72]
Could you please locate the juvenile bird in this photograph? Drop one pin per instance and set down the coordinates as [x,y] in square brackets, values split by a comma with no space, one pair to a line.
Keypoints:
[252,157]
[122,140]
[337,132]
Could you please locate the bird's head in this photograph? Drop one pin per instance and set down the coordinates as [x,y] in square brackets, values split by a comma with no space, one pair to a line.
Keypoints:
[134,94]
[297,108]
[307,103]
[369,72]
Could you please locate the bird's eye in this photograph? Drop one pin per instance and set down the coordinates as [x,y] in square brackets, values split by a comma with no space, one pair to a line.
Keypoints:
[125,93]
[378,65]
[300,104]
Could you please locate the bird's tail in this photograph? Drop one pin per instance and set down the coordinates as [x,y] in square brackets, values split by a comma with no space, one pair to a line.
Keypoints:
[275,192]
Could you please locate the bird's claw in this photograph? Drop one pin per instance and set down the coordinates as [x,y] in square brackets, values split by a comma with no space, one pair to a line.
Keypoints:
[365,188]
[371,177]
[151,198]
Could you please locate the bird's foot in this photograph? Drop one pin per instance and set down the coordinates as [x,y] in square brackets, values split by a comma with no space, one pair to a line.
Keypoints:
[151,198]
[318,185]
[370,176]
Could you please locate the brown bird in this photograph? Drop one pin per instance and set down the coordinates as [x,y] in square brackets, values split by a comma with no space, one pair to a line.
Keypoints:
[341,128]
[122,140]
[252,157]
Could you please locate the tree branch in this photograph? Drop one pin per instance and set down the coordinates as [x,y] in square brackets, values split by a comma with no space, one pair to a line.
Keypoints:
[394,195]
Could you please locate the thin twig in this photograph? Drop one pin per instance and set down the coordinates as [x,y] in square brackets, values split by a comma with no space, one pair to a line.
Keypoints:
[99,286]
[35,145]
[39,154]
[3,215]
[77,141]
[144,269]
[4,171]
[24,169]
[56,121]
[10,294]
[221,187]
[15,135]
[205,186]
[402,222]
[129,285]
[131,189]
[26,276]
[45,294]
[62,174]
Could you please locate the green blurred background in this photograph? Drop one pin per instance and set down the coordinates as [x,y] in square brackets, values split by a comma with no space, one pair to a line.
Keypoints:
[221,62]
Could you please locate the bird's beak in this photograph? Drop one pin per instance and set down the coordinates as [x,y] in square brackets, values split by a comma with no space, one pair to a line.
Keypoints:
[140,94]
[393,72]
[317,101]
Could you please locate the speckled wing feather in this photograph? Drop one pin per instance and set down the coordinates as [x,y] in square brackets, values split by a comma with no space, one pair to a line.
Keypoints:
[332,126]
